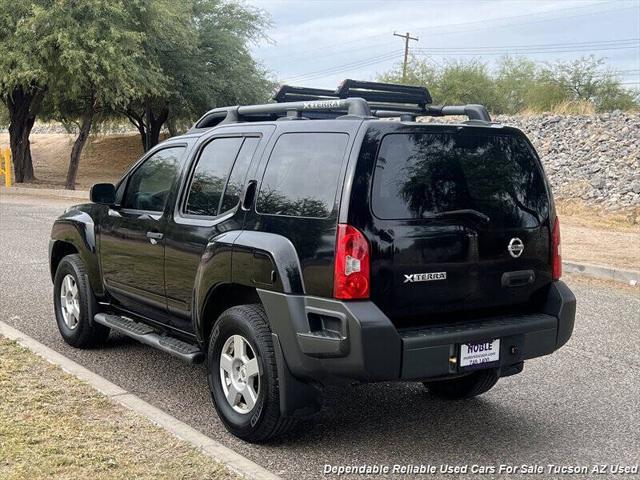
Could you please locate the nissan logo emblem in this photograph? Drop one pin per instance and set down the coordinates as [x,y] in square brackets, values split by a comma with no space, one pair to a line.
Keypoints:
[516,247]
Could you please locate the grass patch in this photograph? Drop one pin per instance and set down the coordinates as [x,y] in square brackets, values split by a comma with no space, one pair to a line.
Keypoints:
[54,426]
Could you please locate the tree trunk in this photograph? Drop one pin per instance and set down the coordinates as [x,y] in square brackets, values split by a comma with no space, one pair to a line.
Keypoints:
[155,125]
[76,151]
[23,106]
[143,136]
[148,124]
[138,122]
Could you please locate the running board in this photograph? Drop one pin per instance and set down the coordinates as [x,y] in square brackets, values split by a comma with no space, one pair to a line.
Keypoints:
[147,335]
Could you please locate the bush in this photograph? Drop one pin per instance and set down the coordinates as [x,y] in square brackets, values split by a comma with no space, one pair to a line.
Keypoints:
[519,84]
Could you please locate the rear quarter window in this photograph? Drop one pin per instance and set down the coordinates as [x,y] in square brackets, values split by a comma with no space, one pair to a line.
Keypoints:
[302,175]
[418,175]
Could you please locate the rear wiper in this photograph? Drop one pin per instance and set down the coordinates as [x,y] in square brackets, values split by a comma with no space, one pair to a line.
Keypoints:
[459,213]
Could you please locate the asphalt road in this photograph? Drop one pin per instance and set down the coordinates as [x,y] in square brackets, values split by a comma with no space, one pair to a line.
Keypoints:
[578,406]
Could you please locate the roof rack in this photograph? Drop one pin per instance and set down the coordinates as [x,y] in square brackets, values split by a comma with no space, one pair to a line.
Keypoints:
[356,107]
[352,98]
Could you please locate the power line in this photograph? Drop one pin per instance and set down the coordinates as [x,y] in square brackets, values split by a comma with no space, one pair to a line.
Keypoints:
[349,66]
[625,41]
[529,50]
[486,24]
[361,63]
[498,50]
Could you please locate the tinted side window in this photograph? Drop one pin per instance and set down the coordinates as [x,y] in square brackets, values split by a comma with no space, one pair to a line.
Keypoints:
[148,186]
[238,174]
[301,178]
[210,176]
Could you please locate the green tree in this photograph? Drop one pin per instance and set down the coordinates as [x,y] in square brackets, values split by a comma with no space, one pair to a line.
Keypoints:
[585,79]
[519,83]
[205,55]
[419,72]
[515,79]
[24,74]
[101,64]
[462,82]
[451,83]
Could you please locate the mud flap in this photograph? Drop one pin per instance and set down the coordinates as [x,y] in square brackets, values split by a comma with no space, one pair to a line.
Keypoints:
[297,398]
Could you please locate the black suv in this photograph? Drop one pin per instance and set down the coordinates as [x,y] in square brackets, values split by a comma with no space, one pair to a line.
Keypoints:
[312,240]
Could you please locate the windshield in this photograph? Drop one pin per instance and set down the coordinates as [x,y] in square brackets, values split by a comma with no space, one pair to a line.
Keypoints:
[422,175]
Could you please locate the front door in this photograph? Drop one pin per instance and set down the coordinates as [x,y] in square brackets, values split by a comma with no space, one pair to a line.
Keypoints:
[132,235]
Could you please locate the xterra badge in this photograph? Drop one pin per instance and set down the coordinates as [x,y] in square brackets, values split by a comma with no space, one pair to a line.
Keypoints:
[425,277]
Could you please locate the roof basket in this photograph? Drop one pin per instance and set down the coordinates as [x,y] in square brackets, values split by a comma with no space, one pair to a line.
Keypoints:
[378,94]
[384,99]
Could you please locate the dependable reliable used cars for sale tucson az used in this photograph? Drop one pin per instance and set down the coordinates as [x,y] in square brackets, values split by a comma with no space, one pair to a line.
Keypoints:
[325,237]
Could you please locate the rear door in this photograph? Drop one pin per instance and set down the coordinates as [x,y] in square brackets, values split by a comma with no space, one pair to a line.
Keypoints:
[459,221]
[208,206]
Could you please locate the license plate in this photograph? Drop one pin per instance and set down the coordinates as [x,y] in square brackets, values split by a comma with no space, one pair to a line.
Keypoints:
[478,354]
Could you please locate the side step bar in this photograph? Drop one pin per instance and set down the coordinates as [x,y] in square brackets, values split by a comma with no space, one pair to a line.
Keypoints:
[147,335]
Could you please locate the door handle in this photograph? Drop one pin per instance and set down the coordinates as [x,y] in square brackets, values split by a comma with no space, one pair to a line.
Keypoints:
[154,237]
[518,279]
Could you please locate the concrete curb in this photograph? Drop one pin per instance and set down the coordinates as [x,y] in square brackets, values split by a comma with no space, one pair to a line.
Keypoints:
[232,460]
[630,277]
[46,192]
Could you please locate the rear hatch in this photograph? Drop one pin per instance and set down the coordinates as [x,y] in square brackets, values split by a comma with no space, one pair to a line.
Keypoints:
[458,222]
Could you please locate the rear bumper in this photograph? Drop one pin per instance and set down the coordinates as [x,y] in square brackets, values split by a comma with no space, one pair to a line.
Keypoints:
[324,339]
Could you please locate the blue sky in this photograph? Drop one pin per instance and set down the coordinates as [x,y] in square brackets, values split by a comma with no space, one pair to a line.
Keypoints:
[321,42]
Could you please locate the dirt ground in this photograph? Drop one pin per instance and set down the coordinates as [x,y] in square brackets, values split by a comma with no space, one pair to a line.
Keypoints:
[104,158]
[588,235]
[591,236]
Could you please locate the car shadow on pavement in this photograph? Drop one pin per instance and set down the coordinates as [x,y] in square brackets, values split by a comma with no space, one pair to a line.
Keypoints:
[409,414]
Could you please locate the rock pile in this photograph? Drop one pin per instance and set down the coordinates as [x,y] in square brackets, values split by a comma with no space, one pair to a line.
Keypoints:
[595,158]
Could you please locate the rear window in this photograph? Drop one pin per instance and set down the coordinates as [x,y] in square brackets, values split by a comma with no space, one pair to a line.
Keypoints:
[418,175]
[301,178]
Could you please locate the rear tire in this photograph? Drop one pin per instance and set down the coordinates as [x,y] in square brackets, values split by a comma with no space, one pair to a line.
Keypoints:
[247,403]
[75,305]
[469,386]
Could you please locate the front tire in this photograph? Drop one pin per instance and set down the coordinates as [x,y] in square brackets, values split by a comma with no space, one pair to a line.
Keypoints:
[75,305]
[243,377]
[468,386]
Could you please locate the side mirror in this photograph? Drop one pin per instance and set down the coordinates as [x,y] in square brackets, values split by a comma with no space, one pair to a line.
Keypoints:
[104,193]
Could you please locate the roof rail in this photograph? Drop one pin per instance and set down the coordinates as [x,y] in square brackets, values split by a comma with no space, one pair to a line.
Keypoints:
[472,111]
[269,111]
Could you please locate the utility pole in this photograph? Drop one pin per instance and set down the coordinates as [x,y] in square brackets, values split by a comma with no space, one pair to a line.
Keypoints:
[406,37]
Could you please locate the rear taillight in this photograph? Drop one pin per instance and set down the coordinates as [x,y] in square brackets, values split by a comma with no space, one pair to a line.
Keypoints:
[351,272]
[556,262]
